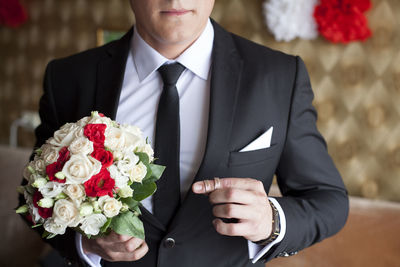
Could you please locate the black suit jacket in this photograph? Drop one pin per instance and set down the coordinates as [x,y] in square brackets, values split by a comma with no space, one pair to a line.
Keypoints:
[252,89]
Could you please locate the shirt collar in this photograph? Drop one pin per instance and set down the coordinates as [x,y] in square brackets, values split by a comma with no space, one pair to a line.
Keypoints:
[196,58]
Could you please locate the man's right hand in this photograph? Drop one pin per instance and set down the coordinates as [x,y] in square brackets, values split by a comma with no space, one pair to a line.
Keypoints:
[116,247]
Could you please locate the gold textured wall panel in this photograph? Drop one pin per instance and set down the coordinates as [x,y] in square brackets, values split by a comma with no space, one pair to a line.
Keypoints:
[357,86]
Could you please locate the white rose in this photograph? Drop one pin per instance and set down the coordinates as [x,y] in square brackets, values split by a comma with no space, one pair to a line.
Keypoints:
[81,145]
[39,166]
[101,120]
[138,173]
[110,206]
[125,192]
[65,135]
[75,191]
[54,227]
[79,133]
[80,168]
[120,180]
[127,163]
[66,213]
[117,155]
[148,150]
[118,139]
[132,129]
[82,122]
[51,189]
[91,224]
[49,154]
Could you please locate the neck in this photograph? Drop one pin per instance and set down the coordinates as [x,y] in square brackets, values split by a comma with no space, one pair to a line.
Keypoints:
[172,48]
[171,51]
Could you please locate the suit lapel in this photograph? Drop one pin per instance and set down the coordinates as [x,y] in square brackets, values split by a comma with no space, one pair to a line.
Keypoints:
[225,79]
[110,75]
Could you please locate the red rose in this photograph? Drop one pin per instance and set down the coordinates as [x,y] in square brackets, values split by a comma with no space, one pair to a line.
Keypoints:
[100,184]
[343,21]
[105,157]
[52,169]
[43,212]
[29,218]
[95,133]
[12,13]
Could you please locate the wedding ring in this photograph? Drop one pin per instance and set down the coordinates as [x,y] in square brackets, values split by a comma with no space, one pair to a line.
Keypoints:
[207,186]
[217,183]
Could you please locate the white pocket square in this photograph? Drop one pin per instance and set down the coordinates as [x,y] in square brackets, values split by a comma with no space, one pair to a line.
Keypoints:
[263,141]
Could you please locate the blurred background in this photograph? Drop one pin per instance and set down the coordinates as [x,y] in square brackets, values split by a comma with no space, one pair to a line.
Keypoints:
[356,86]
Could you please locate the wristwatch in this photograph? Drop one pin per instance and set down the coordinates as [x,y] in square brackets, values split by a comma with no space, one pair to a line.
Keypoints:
[276,227]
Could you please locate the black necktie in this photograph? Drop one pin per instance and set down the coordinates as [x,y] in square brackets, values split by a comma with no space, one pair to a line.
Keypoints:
[167,141]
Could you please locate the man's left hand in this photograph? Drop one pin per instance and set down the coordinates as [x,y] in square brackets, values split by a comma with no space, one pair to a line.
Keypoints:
[243,199]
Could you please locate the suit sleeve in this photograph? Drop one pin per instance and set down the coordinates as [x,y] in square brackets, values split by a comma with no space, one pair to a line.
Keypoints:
[314,198]
[64,244]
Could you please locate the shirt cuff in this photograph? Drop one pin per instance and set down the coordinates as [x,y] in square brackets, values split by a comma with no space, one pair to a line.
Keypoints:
[256,251]
[93,260]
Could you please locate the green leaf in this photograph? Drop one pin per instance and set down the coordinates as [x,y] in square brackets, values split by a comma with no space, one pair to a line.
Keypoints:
[50,236]
[104,228]
[156,172]
[137,211]
[143,157]
[143,190]
[45,234]
[36,225]
[128,224]
[130,202]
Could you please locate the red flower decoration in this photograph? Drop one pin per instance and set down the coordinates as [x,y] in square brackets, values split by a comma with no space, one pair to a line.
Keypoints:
[12,13]
[43,212]
[52,169]
[105,157]
[343,21]
[100,184]
[95,133]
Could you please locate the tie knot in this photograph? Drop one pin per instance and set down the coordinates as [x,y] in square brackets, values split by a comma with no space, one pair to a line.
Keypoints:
[170,73]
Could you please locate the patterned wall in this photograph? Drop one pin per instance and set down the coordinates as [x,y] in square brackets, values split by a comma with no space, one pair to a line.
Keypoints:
[357,86]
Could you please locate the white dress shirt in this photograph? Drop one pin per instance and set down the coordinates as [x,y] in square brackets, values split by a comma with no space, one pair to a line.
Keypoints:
[141,91]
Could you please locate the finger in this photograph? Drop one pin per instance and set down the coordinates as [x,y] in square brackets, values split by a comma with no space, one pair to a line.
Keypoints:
[232,229]
[129,256]
[128,246]
[207,186]
[233,195]
[113,237]
[234,211]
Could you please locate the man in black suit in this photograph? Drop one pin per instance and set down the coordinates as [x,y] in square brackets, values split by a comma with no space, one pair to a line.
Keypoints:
[253,91]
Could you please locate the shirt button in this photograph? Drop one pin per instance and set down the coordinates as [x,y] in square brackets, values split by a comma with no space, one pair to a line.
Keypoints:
[169,242]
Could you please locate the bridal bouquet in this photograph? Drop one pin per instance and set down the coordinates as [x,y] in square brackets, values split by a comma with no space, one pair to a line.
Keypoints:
[90,176]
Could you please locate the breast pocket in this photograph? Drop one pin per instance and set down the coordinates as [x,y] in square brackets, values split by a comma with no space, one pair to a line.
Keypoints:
[252,157]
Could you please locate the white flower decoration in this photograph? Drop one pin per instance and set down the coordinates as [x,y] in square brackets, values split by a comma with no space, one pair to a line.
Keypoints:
[51,189]
[289,19]
[54,227]
[120,180]
[91,224]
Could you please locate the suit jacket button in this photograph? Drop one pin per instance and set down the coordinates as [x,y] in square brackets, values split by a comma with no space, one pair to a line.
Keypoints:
[169,242]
